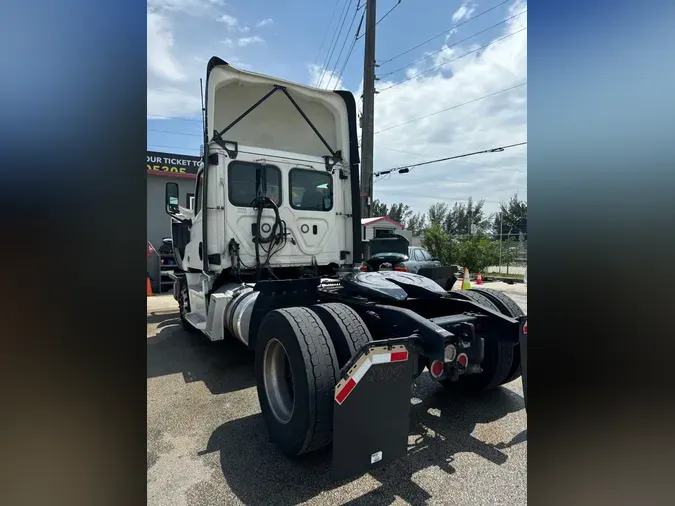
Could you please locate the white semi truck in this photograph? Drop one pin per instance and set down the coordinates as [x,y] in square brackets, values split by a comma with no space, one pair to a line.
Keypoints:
[271,256]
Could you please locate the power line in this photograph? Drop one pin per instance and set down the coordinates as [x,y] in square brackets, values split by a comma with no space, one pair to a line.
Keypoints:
[453,44]
[325,34]
[344,42]
[444,32]
[171,147]
[424,156]
[334,44]
[413,165]
[387,13]
[174,133]
[454,59]
[453,107]
[349,53]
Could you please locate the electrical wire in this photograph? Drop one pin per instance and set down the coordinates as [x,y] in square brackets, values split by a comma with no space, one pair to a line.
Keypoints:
[344,43]
[171,147]
[453,60]
[388,12]
[444,32]
[349,53]
[451,108]
[453,44]
[424,156]
[325,34]
[438,160]
[333,44]
[173,133]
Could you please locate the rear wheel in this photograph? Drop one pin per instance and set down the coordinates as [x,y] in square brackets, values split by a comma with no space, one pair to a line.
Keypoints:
[497,359]
[347,330]
[507,306]
[296,371]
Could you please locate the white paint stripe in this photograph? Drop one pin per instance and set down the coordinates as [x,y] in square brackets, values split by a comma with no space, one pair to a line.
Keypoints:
[382,358]
[362,370]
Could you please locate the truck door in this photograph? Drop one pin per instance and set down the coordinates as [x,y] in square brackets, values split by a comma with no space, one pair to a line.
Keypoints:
[313,200]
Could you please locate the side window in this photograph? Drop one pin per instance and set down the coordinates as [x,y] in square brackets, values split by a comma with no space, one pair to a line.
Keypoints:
[246,180]
[310,190]
[190,201]
[427,256]
[198,191]
[418,255]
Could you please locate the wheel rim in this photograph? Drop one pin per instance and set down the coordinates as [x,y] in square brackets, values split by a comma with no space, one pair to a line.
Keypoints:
[278,380]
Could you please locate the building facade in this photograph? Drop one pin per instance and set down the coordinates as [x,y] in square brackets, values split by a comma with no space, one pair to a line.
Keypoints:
[162,168]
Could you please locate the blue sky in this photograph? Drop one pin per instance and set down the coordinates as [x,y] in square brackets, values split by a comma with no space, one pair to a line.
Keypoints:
[285,39]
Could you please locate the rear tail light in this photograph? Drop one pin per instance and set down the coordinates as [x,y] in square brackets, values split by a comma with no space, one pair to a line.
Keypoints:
[363,268]
[401,268]
[525,328]
[436,369]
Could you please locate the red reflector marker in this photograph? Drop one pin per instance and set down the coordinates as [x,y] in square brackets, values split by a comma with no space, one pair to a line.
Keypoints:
[399,356]
[525,328]
[436,368]
[463,360]
[342,394]
[401,269]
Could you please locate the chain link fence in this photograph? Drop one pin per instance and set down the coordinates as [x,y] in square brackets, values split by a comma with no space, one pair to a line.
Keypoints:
[513,255]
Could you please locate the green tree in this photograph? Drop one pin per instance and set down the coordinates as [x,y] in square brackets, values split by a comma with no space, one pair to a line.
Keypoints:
[437,242]
[379,208]
[399,212]
[416,223]
[459,219]
[438,212]
[512,218]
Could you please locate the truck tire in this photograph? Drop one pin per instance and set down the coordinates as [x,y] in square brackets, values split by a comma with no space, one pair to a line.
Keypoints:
[507,306]
[184,308]
[497,360]
[347,330]
[296,370]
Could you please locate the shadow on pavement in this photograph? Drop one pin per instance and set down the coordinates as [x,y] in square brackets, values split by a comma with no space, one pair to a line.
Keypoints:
[257,473]
[224,366]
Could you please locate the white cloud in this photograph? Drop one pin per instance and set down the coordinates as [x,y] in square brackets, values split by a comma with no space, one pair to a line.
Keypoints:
[465,11]
[233,24]
[173,103]
[264,22]
[191,7]
[228,42]
[491,122]
[161,61]
[247,41]
[324,79]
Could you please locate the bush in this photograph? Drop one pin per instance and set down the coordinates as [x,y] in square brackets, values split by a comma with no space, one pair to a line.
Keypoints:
[437,242]
[476,253]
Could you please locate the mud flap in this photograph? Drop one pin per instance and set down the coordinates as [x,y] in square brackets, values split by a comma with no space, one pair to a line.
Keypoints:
[371,416]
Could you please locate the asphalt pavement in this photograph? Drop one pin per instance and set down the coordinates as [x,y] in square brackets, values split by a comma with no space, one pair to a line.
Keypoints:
[207,442]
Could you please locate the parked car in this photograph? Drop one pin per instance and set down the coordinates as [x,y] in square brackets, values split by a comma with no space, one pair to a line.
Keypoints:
[395,253]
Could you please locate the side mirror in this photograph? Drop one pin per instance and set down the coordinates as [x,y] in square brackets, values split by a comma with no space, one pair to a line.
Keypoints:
[171,198]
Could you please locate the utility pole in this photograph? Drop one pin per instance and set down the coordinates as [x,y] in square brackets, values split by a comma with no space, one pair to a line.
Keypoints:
[368,117]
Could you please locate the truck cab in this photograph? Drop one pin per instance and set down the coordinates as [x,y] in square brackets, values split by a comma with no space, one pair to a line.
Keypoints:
[277,180]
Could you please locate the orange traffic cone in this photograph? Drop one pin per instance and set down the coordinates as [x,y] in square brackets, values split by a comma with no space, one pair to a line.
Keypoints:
[148,287]
[466,284]
[479,279]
